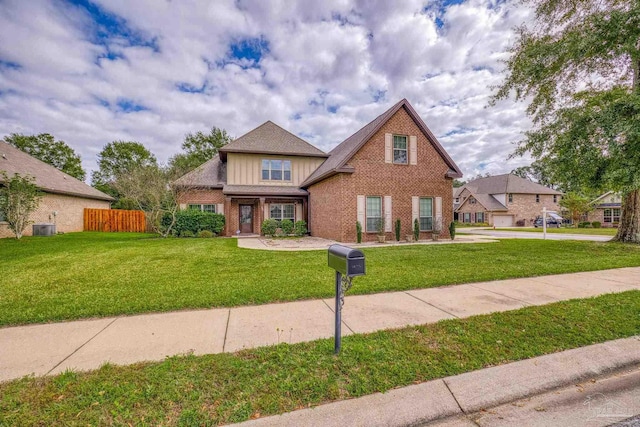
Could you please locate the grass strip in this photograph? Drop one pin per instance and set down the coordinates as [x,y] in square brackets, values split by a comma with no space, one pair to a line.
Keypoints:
[225,388]
[589,231]
[83,275]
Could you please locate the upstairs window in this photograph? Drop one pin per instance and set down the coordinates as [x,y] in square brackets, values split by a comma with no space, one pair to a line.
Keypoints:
[276,170]
[400,152]
[555,198]
[472,200]
[510,198]
[537,198]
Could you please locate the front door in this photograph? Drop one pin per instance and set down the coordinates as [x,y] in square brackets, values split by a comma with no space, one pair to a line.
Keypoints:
[246,218]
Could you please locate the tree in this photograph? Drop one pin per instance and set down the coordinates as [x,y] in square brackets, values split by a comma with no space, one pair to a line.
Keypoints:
[458,183]
[578,67]
[19,197]
[199,148]
[576,204]
[538,172]
[56,153]
[118,159]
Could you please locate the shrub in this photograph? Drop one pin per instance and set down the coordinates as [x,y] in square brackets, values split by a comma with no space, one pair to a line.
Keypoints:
[300,228]
[520,223]
[416,230]
[194,221]
[186,233]
[286,225]
[205,234]
[359,231]
[398,229]
[269,227]
[380,226]
[584,224]
[596,224]
[452,230]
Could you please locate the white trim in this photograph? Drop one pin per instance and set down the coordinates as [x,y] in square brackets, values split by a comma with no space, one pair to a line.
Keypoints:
[387,214]
[413,150]
[388,148]
[361,207]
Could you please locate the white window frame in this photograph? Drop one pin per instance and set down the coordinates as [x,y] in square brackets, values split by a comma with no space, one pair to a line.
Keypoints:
[405,149]
[270,169]
[422,217]
[371,215]
[611,217]
[281,208]
[204,207]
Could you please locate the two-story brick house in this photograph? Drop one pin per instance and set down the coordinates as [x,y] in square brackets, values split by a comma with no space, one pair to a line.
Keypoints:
[393,168]
[503,201]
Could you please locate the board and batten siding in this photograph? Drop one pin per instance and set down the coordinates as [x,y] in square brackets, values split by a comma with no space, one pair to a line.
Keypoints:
[246,169]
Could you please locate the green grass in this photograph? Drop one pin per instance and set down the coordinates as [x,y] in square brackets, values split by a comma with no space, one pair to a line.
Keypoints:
[590,231]
[94,274]
[225,388]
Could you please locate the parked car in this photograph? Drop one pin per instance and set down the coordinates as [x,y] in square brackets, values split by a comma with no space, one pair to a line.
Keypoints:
[552,221]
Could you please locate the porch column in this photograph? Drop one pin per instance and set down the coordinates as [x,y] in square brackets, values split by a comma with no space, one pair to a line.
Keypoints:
[260,215]
[227,217]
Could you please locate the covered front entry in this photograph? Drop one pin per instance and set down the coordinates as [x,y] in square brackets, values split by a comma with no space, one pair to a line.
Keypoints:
[246,219]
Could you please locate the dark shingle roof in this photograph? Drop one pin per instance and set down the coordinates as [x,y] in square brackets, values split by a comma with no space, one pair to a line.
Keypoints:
[269,138]
[340,155]
[507,183]
[47,178]
[211,174]
[263,190]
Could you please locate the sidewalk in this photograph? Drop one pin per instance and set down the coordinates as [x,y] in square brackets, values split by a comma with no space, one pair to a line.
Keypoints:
[87,344]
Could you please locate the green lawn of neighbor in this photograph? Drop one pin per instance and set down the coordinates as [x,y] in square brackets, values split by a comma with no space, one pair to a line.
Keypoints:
[226,388]
[591,231]
[81,275]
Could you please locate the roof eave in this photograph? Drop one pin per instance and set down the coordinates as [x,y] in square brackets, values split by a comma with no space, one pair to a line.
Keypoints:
[106,197]
[223,153]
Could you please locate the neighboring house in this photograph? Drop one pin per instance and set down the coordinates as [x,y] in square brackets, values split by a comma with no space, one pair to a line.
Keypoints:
[393,168]
[64,197]
[606,209]
[503,201]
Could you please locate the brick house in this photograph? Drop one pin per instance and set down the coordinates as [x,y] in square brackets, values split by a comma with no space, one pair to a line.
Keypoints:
[503,200]
[64,197]
[606,209]
[393,168]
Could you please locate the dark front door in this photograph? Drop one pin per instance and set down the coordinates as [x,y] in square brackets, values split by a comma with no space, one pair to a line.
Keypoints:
[246,218]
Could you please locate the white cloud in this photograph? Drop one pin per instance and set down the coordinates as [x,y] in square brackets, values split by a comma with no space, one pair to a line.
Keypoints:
[330,68]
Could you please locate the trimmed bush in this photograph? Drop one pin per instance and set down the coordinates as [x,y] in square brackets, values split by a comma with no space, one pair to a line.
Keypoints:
[187,233]
[358,232]
[194,221]
[452,230]
[584,224]
[300,228]
[286,225]
[398,230]
[416,230]
[596,224]
[269,227]
[205,234]
[520,223]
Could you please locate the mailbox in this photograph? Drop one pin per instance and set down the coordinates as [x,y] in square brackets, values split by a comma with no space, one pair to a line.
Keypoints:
[347,261]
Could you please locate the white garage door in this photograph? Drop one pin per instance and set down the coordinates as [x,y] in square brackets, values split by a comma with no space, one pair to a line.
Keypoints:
[503,221]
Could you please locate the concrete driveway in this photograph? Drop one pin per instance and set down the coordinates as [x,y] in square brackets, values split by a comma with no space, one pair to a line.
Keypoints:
[533,235]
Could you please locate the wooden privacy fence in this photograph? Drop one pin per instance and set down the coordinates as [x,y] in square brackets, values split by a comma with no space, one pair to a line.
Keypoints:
[114,220]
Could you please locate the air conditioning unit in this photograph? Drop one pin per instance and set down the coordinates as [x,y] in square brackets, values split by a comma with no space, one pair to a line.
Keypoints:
[44,229]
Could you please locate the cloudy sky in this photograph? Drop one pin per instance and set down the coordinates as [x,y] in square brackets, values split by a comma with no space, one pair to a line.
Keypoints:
[91,72]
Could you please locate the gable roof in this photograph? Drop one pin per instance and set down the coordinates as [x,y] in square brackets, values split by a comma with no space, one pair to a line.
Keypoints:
[507,183]
[269,138]
[340,155]
[210,174]
[47,178]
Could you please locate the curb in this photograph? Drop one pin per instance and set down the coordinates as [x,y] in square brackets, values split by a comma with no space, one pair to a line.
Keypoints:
[466,393]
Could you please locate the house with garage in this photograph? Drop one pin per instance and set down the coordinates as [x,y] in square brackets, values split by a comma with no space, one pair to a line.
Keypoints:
[393,168]
[503,201]
[64,197]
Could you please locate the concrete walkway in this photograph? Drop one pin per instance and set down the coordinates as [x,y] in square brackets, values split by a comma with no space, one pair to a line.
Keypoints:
[87,344]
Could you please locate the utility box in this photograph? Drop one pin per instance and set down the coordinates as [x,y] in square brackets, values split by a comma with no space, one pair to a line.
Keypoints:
[349,262]
[44,229]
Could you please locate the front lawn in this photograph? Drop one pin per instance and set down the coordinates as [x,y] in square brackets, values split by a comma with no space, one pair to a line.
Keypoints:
[84,275]
[225,388]
[590,231]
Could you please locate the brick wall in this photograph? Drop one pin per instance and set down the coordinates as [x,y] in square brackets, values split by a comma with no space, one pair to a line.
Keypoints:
[70,213]
[524,206]
[374,177]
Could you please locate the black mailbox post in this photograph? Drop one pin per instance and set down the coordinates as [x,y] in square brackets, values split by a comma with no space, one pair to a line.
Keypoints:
[347,263]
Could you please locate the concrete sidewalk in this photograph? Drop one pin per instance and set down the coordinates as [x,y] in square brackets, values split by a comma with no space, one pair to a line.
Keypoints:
[87,344]
[523,393]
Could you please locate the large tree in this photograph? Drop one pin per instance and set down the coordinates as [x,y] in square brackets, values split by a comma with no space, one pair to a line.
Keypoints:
[198,148]
[117,159]
[44,147]
[578,68]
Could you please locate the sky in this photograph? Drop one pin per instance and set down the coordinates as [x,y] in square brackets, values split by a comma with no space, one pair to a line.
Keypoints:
[95,71]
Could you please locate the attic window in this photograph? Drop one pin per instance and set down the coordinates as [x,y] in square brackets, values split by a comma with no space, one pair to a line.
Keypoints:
[400,152]
[472,200]
[276,170]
